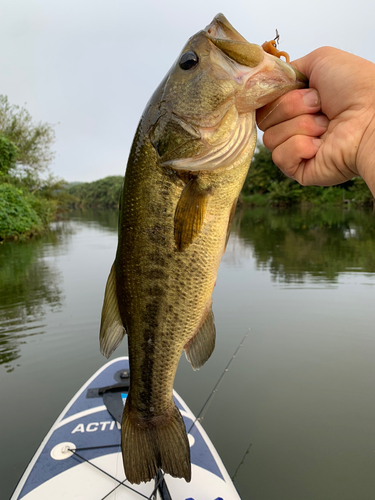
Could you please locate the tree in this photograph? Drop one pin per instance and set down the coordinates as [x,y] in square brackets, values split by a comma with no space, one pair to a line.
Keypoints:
[28,202]
[8,153]
[262,172]
[32,141]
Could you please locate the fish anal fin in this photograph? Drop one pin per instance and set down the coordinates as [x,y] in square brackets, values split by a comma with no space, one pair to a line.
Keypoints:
[201,346]
[189,214]
[230,221]
[112,330]
[154,443]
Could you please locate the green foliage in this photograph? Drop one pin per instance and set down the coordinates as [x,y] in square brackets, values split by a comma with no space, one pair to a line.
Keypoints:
[266,184]
[359,192]
[104,193]
[28,203]
[32,140]
[17,216]
[256,199]
[262,172]
[284,192]
[320,195]
[44,208]
[8,153]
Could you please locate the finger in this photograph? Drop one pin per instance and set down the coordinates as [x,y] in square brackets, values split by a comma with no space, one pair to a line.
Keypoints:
[289,155]
[294,103]
[312,125]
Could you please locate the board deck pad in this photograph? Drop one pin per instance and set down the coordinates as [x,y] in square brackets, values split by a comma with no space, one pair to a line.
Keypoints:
[80,458]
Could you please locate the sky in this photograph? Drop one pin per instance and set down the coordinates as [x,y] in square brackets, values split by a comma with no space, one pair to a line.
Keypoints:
[89,67]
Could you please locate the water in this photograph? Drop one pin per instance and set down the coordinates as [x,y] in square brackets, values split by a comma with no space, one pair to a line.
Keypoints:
[300,392]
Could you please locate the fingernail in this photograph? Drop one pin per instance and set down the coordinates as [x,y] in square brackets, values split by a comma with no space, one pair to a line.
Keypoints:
[311,98]
[321,121]
[317,142]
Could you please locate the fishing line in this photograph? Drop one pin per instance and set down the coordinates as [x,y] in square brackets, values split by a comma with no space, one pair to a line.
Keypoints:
[200,415]
[103,471]
[242,461]
[120,483]
[272,110]
[114,489]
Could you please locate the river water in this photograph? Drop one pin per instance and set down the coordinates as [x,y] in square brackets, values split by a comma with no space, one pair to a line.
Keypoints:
[299,396]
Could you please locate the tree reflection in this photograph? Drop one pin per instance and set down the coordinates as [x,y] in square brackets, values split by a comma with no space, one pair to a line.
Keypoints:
[318,242]
[104,218]
[29,286]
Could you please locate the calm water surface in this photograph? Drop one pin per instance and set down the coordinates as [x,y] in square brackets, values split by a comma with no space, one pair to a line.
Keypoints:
[300,394]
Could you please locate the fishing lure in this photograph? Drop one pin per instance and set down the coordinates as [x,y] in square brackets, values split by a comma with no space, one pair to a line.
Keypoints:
[271,48]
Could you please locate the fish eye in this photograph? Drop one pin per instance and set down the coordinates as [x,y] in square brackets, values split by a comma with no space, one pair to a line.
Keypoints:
[188,60]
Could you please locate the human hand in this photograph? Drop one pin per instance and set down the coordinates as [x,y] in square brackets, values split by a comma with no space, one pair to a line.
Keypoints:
[325,135]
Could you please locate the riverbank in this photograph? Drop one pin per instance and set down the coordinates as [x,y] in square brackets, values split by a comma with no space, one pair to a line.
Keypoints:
[24,213]
[266,185]
[287,195]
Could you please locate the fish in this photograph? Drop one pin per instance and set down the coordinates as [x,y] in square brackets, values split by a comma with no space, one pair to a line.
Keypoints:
[188,161]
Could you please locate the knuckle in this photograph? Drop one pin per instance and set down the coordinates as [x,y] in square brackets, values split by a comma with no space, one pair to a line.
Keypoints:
[293,103]
[306,124]
[278,158]
[267,139]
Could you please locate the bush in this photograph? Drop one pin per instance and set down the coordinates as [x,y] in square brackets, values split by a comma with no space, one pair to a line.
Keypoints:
[8,151]
[285,192]
[17,216]
[360,193]
[104,193]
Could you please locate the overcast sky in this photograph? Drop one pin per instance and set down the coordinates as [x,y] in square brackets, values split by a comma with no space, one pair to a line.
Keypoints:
[89,67]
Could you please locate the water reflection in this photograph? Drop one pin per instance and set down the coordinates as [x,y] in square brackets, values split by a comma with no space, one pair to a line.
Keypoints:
[29,286]
[315,244]
[306,368]
[295,246]
[104,218]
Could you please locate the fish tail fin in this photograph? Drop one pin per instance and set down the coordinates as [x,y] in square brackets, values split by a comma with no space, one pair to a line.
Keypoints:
[159,443]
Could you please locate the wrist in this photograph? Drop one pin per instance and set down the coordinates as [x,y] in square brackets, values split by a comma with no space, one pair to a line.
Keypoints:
[366,155]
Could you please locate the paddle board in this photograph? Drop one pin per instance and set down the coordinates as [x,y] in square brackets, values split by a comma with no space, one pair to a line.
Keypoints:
[80,458]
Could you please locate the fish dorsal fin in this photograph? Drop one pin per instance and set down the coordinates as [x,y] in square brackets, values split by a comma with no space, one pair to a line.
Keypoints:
[189,214]
[201,346]
[112,330]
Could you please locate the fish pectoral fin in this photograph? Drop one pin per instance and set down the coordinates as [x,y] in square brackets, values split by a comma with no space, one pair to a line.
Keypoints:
[201,346]
[112,330]
[189,215]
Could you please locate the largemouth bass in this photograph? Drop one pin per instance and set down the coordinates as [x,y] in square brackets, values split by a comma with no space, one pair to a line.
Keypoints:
[186,168]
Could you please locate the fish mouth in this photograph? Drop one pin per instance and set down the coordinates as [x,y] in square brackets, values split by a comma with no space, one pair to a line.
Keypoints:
[226,38]
[220,28]
[264,76]
[291,70]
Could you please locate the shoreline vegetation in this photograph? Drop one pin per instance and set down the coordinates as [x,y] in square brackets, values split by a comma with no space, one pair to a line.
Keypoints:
[265,185]
[29,202]
[31,197]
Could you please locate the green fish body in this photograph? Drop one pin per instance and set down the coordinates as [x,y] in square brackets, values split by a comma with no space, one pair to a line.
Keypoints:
[186,168]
